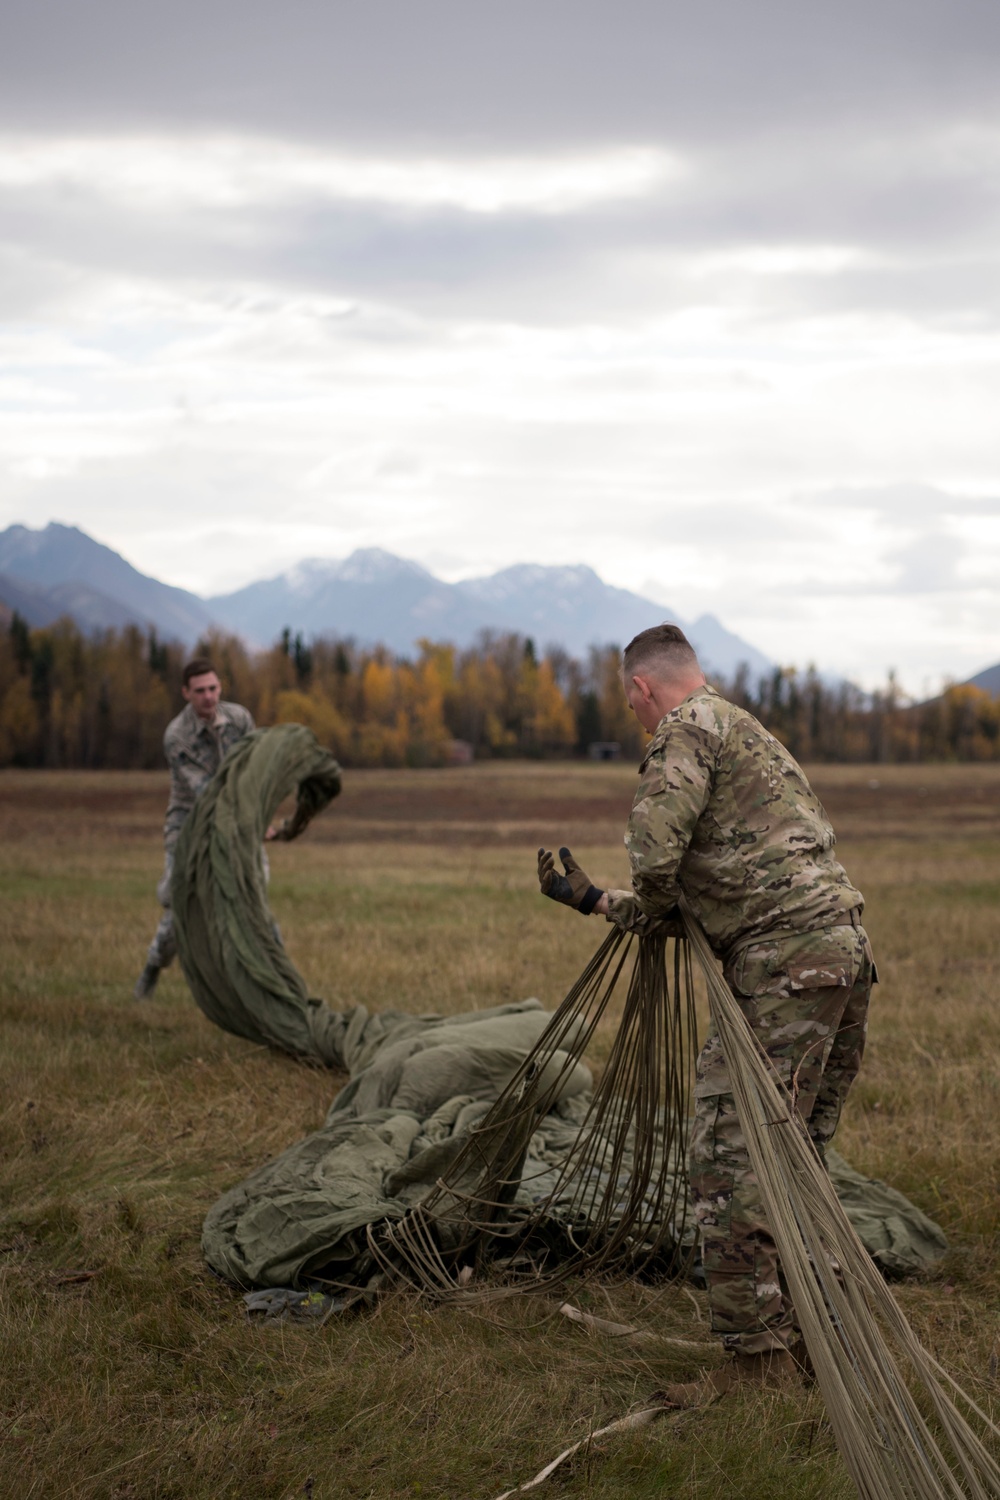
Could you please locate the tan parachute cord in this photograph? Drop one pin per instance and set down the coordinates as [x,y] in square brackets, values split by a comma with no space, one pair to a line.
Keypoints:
[620,1193]
[842,1303]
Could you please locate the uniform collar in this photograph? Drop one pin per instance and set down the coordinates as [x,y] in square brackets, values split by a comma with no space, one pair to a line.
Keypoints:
[675,716]
[198,724]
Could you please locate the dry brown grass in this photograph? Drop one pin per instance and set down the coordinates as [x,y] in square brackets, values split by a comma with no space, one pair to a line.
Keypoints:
[128,1370]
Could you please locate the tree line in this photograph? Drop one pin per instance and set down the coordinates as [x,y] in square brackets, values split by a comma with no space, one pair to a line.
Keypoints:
[71,700]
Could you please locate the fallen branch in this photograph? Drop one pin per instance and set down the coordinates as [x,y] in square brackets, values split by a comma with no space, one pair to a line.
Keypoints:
[624,1424]
[623,1331]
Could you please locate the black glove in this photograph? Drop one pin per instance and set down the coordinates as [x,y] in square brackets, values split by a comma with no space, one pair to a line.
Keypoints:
[573,888]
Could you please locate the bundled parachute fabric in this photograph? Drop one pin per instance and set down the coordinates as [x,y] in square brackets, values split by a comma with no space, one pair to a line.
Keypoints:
[231,954]
[570,1175]
[861,1346]
[394,1135]
[619,1193]
[388,1136]
[311,1214]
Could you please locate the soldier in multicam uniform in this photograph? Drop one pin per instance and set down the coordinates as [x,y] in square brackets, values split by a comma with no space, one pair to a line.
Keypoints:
[195,744]
[725,816]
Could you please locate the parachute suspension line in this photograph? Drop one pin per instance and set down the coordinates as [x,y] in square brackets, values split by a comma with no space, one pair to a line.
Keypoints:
[857,1337]
[620,1185]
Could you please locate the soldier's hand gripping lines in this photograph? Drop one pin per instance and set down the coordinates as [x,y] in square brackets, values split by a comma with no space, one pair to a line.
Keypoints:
[573,888]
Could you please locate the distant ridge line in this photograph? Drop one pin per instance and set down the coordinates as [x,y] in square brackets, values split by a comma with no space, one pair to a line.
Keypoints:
[371,596]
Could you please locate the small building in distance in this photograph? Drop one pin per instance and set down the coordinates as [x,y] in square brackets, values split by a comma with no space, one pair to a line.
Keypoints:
[459,753]
[604,750]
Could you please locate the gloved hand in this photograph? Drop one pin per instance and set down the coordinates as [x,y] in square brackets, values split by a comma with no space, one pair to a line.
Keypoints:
[572,889]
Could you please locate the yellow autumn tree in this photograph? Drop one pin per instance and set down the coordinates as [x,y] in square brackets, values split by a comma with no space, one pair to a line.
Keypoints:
[317,713]
[554,728]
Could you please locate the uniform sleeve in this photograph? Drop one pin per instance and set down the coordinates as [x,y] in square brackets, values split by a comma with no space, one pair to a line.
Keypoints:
[186,779]
[673,793]
[238,721]
[625,912]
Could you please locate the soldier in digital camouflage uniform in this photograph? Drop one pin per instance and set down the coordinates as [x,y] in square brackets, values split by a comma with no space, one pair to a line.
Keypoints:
[195,744]
[724,815]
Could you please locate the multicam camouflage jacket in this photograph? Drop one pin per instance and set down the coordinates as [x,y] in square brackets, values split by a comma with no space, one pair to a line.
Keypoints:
[724,815]
[194,752]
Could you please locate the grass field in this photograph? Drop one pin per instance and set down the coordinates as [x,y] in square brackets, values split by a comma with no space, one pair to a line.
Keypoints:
[128,1370]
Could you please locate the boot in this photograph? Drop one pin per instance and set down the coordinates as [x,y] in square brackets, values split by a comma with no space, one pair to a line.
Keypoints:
[769,1370]
[146,983]
[800,1354]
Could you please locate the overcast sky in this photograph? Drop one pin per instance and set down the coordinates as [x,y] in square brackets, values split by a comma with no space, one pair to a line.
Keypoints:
[706,296]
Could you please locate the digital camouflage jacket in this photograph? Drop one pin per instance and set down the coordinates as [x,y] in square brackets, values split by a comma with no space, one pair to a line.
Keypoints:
[724,815]
[194,752]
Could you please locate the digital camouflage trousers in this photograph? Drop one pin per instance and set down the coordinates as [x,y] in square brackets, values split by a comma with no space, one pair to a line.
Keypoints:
[163,948]
[806,999]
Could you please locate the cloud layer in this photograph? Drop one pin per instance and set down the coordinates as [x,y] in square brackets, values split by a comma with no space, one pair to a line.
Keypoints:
[708,300]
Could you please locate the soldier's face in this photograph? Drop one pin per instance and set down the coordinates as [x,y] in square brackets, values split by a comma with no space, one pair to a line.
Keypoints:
[203,694]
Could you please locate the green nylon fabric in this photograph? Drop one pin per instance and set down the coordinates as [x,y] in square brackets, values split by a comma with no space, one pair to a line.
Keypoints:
[418,1083]
[306,1213]
[234,961]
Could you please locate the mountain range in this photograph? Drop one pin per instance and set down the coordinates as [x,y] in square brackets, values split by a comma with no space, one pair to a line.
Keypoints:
[371,596]
[375,596]
[60,570]
[989,680]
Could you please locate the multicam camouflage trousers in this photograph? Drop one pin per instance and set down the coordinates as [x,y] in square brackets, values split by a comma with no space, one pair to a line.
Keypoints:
[806,999]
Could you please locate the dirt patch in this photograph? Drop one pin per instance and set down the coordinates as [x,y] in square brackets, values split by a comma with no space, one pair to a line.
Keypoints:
[910,801]
[526,803]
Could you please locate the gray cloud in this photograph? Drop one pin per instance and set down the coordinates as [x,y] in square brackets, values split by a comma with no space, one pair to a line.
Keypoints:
[470,76]
[870,126]
[924,233]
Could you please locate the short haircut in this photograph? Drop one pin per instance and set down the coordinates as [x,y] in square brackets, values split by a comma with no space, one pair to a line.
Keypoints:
[663,649]
[198,668]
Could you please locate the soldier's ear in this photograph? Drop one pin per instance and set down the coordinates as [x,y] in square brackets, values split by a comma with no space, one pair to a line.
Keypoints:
[642,683]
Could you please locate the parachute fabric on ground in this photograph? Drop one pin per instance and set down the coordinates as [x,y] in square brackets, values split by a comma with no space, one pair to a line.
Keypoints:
[620,1191]
[233,959]
[419,1082]
[888,1447]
